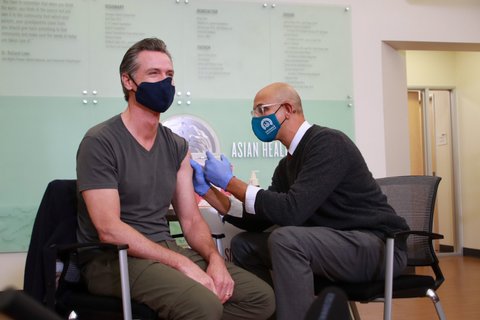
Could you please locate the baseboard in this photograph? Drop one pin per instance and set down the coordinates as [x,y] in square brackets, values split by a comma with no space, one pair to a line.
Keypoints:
[446,248]
[471,252]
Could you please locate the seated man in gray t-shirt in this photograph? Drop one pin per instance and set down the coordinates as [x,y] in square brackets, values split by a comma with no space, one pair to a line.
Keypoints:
[129,170]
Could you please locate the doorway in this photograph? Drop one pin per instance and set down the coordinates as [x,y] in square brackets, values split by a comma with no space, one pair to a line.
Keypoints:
[430,113]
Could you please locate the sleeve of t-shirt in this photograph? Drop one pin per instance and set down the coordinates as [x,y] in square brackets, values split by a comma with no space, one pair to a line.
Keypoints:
[96,167]
[180,146]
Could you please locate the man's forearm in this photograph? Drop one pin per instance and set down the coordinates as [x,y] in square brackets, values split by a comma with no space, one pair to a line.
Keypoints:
[199,237]
[217,200]
[144,248]
[238,188]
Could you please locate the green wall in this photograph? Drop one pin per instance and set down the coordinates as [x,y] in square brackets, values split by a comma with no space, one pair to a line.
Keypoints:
[56,84]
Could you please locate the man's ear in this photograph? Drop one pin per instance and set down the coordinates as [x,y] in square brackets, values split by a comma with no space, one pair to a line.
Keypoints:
[127,81]
[289,109]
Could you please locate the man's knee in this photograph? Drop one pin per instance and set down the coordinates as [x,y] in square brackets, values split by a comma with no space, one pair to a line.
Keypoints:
[266,303]
[197,303]
[253,298]
[283,237]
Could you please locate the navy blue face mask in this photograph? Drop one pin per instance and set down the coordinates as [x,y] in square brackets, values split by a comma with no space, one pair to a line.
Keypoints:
[157,96]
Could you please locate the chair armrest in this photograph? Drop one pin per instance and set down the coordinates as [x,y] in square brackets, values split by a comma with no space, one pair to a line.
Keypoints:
[430,235]
[63,248]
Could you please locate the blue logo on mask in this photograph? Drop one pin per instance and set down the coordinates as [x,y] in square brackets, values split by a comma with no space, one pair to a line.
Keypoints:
[265,128]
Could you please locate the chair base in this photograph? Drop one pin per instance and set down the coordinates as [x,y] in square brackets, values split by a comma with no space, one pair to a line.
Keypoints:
[405,286]
[430,294]
[436,302]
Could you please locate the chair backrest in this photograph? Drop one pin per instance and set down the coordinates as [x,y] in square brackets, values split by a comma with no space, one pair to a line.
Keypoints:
[55,223]
[413,198]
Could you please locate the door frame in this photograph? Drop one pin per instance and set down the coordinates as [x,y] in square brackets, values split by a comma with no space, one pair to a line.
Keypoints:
[457,217]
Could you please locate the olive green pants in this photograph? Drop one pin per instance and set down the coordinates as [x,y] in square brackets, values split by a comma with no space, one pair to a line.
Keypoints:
[175,296]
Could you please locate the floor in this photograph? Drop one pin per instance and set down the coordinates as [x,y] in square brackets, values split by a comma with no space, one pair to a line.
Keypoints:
[459,295]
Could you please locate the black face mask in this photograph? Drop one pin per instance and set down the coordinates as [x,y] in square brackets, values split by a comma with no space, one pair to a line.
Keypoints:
[157,96]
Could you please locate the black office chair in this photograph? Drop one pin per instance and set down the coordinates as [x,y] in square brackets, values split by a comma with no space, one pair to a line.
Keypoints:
[412,197]
[54,241]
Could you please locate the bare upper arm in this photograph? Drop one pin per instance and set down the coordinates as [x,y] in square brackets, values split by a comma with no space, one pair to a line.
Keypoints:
[103,207]
[184,201]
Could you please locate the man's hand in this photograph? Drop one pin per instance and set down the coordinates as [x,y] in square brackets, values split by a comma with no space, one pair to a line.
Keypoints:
[221,277]
[218,172]
[200,185]
[191,270]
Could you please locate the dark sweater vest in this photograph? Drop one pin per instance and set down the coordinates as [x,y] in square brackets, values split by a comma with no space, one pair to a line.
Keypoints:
[325,183]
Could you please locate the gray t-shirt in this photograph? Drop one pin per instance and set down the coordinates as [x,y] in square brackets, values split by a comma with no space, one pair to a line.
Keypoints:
[109,157]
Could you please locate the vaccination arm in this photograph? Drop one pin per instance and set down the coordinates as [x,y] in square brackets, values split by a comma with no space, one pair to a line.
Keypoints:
[104,209]
[197,232]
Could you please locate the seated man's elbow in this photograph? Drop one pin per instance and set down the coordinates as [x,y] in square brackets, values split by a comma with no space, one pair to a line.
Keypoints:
[106,234]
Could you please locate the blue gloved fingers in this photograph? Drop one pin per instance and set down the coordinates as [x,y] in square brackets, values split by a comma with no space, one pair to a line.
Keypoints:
[209,155]
[218,172]
[195,165]
[200,185]
[225,159]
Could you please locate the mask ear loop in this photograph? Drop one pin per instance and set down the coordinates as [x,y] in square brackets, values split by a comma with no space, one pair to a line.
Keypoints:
[277,111]
[131,78]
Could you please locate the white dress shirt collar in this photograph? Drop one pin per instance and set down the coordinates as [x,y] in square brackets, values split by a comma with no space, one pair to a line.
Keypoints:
[298,136]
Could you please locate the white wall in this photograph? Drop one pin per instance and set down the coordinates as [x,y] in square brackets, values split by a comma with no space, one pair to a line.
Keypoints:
[12,266]
[397,146]
[377,98]
[431,69]
[468,99]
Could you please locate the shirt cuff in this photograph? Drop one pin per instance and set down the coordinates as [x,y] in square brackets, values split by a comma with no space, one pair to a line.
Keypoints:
[236,207]
[250,197]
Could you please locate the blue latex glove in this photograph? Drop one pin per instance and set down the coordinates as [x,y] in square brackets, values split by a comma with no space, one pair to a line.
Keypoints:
[200,185]
[218,172]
